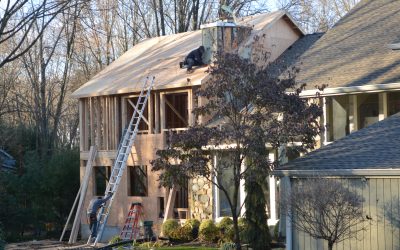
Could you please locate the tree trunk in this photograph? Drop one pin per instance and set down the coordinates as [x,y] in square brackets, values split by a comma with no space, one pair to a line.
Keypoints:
[236,228]
[156,17]
[330,245]
[162,20]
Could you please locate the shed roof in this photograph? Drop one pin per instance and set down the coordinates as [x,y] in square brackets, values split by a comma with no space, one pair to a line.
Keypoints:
[160,57]
[374,147]
[355,51]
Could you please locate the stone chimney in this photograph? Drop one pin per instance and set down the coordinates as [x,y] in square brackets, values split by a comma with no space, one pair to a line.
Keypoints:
[222,36]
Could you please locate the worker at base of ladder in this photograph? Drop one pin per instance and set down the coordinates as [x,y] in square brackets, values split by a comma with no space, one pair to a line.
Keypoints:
[94,206]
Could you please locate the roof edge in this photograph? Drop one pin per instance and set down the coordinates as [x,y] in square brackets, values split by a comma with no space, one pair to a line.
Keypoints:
[338,172]
[131,90]
[351,90]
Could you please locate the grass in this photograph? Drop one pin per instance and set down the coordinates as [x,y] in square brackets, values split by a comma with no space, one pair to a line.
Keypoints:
[185,248]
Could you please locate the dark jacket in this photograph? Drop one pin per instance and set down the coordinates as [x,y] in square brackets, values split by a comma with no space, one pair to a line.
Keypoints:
[96,203]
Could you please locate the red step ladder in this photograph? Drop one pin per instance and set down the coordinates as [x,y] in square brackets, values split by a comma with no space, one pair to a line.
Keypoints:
[133,223]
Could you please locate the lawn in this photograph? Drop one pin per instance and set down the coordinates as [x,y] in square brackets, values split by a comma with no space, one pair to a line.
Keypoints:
[186,248]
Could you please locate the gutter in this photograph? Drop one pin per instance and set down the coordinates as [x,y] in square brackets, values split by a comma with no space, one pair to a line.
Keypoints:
[375,88]
[338,172]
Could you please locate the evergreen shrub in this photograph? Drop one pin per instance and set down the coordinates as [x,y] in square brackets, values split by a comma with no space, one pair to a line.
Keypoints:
[169,227]
[227,233]
[208,231]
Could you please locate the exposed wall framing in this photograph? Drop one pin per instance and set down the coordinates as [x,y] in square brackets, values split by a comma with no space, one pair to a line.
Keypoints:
[99,122]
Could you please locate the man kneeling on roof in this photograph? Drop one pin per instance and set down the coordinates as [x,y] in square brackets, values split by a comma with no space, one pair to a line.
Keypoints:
[194,58]
[94,206]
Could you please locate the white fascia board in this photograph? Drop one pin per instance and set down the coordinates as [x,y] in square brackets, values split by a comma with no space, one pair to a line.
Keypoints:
[337,172]
[394,46]
[350,90]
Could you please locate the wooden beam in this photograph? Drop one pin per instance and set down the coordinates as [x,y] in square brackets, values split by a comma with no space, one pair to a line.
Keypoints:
[92,122]
[157,112]
[150,114]
[117,121]
[162,112]
[81,122]
[82,194]
[190,107]
[169,209]
[98,125]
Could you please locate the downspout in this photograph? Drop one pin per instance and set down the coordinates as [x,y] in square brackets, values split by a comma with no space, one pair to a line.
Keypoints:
[286,183]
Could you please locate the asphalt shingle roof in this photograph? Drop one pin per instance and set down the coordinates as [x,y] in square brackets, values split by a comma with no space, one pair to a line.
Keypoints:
[355,51]
[374,147]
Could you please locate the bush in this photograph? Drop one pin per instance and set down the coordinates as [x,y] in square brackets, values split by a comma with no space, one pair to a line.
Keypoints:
[194,224]
[226,229]
[208,231]
[243,230]
[169,227]
[182,233]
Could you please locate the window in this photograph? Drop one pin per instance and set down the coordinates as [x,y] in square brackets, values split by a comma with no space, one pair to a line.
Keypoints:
[368,109]
[138,181]
[224,160]
[161,207]
[176,110]
[393,102]
[101,177]
[338,117]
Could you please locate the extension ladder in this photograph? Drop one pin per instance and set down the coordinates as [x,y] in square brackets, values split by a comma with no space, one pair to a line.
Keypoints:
[133,223]
[124,150]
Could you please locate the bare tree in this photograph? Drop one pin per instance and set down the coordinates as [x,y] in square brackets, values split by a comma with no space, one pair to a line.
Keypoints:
[316,15]
[17,21]
[325,209]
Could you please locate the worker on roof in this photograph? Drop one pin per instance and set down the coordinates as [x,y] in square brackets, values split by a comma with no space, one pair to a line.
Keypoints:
[94,206]
[194,58]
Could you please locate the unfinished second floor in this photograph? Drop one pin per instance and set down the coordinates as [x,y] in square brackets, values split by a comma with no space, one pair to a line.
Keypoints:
[103,119]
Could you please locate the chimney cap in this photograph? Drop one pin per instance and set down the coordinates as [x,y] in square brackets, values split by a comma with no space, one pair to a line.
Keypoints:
[218,24]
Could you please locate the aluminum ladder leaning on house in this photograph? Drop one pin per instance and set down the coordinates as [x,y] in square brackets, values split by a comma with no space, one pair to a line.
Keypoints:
[124,151]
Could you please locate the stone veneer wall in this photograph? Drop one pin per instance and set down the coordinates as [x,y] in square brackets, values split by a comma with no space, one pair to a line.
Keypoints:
[200,199]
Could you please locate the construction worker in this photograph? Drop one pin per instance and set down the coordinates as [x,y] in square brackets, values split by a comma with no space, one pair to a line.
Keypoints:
[194,58]
[94,206]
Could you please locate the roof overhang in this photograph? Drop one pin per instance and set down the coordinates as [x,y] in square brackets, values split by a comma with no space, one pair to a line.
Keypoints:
[375,88]
[338,172]
[394,46]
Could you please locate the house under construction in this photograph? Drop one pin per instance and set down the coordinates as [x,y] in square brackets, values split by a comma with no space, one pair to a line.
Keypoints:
[107,103]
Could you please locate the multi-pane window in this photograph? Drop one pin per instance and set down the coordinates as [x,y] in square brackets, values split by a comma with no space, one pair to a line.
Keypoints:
[138,183]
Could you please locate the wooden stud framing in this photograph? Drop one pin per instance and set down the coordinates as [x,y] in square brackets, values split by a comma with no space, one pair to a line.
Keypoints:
[150,113]
[81,122]
[162,111]
[157,112]
[164,102]
[116,122]
[190,107]
[92,123]
[176,111]
[98,123]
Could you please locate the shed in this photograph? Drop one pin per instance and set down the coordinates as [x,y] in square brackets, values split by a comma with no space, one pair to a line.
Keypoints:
[369,161]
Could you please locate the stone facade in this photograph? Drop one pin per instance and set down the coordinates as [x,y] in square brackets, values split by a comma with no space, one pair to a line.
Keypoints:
[200,198]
